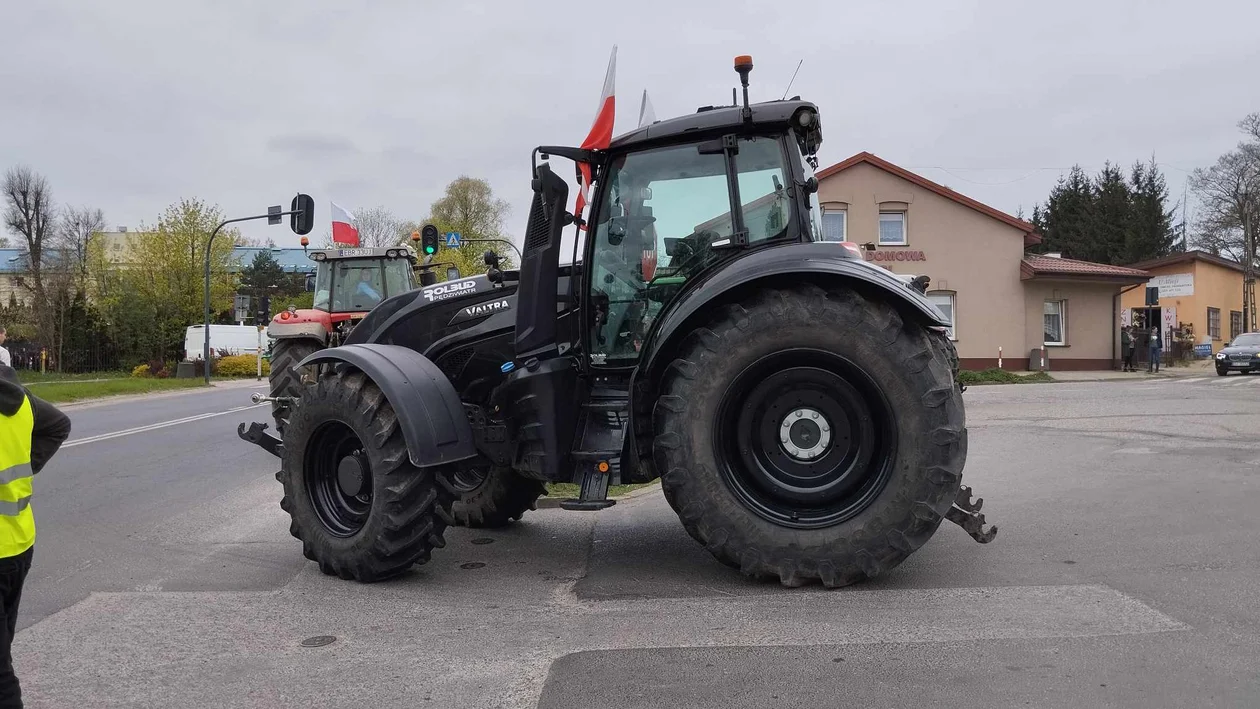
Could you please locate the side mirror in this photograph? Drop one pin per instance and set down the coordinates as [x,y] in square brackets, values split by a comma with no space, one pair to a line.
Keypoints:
[310,283]
[427,278]
[303,217]
[452,273]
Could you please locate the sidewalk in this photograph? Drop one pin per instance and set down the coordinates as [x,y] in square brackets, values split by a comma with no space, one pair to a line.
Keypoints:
[1196,368]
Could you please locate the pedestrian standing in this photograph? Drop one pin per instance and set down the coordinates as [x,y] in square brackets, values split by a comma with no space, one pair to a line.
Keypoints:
[4,352]
[31,431]
[1156,349]
[1128,348]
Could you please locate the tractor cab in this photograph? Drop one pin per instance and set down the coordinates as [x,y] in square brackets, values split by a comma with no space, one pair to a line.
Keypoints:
[356,280]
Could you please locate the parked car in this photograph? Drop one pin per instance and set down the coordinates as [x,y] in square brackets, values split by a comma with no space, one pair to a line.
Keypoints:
[1241,355]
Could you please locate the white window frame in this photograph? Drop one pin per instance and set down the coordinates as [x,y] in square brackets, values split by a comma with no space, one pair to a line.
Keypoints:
[1062,323]
[844,216]
[952,297]
[879,233]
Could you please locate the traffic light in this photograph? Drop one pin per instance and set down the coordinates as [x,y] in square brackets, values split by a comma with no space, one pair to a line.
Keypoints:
[262,316]
[303,217]
[429,240]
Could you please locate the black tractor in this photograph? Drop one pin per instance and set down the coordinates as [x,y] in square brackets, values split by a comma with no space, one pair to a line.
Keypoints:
[799,405]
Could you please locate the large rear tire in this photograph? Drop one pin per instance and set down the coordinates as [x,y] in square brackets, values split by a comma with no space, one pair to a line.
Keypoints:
[493,499]
[841,499]
[360,508]
[285,380]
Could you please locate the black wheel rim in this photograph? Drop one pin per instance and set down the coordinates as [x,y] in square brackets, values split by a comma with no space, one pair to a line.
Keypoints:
[339,479]
[805,438]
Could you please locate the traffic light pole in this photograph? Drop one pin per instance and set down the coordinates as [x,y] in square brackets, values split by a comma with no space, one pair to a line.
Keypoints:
[205,349]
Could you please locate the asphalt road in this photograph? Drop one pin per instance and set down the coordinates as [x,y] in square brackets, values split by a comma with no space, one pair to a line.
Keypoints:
[1125,574]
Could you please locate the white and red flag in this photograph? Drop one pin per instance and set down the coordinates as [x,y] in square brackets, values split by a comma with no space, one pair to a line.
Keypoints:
[343,231]
[601,130]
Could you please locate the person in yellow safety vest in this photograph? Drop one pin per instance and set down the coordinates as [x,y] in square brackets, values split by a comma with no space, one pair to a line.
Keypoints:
[31,431]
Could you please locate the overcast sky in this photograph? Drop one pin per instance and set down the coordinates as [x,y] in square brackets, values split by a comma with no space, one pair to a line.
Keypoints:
[128,105]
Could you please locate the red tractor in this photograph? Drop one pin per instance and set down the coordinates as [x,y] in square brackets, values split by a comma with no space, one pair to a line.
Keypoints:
[347,283]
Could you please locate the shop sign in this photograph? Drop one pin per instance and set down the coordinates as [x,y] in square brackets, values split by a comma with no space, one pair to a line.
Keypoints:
[898,255]
[1173,285]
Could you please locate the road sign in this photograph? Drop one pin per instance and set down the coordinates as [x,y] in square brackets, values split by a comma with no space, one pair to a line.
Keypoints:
[452,239]
[242,308]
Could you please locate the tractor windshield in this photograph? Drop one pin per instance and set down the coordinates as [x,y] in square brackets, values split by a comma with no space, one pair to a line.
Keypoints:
[358,285]
[661,212]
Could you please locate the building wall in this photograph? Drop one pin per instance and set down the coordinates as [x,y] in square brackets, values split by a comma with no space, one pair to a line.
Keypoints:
[1092,326]
[964,251]
[1214,286]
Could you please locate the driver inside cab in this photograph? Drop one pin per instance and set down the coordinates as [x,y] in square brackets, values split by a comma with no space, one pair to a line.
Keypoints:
[364,289]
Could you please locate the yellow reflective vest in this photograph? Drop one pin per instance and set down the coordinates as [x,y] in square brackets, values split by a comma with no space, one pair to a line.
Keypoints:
[17,521]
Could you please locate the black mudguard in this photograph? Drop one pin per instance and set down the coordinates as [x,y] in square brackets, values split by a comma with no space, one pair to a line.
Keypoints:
[823,263]
[429,410]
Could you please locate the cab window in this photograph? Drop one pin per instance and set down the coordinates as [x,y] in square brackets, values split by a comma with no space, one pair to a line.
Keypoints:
[661,212]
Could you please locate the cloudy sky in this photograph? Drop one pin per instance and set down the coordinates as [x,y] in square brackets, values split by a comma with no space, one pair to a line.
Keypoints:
[129,105]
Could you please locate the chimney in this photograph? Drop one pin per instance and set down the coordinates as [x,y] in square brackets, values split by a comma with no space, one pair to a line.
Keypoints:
[1054,254]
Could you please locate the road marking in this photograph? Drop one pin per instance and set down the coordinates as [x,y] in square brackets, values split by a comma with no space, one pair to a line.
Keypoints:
[156,426]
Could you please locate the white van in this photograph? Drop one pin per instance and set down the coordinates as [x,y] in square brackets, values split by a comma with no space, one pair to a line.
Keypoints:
[236,339]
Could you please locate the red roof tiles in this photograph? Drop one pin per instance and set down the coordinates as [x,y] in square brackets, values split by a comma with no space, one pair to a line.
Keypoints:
[1035,265]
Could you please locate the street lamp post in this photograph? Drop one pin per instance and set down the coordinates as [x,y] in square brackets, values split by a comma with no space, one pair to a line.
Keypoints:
[301,217]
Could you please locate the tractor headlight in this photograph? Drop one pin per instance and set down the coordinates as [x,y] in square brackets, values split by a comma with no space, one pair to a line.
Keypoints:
[392,253]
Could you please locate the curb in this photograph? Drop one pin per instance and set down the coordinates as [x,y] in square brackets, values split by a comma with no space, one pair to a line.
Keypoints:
[547,503]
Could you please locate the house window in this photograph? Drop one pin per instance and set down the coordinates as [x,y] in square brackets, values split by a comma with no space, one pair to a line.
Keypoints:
[892,228]
[1055,321]
[1235,325]
[944,302]
[1214,323]
[835,225]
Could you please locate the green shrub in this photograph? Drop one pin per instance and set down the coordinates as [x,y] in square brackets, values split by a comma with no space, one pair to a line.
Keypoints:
[994,375]
[241,366]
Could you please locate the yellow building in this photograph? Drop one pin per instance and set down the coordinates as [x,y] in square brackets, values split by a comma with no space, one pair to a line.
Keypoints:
[1196,290]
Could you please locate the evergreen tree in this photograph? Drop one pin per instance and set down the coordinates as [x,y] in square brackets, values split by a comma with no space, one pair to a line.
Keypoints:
[1068,216]
[1110,216]
[1151,233]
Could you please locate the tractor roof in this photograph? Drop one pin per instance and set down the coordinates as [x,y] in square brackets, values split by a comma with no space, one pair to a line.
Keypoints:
[333,254]
[767,116]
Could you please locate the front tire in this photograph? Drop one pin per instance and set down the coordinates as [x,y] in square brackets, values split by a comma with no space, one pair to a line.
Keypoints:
[360,508]
[1222,372]
[840,500]
[285,380]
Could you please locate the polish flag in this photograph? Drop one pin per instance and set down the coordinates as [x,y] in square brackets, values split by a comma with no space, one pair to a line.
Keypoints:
[343,231]
[601,131]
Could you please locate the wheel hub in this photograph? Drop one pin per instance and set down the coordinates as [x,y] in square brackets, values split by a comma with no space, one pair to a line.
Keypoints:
[805,433]
[805,438]
[350,475]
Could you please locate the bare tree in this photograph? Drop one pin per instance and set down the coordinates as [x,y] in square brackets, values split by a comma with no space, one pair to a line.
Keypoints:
[1229,202]
[79,226]
[30,213]
[377,227]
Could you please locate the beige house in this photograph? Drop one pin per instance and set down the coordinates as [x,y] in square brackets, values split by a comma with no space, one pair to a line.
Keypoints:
[1003,302]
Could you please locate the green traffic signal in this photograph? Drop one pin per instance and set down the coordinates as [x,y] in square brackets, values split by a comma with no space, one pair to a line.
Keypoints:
[429,239]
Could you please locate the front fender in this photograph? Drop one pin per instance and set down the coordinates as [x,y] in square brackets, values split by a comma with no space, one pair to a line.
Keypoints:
[429,410]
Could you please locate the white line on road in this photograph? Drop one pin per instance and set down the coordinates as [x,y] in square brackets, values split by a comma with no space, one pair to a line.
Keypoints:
[155,426]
